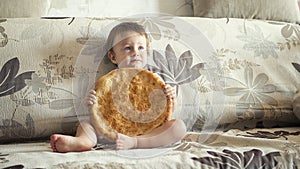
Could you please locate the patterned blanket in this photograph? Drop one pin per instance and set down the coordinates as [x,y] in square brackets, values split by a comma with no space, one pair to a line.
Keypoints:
[256,148]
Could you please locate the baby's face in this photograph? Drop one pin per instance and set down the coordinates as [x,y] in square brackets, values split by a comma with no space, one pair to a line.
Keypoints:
[130,50]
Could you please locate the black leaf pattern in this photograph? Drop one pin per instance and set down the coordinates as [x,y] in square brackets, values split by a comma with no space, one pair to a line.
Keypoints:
[19,166]
[160,61]
[271,135]
[3,158]
[3,20]
[184,63]
[166,76]
[19,81]
[175,71]
[171,59]
[296,66]
[9,82]
[230,160]
[3,37]
[9,70]
[195,71]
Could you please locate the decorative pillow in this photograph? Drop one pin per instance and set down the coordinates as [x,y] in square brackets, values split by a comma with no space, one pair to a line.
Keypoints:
[112,8]
[248,9]
[23,8]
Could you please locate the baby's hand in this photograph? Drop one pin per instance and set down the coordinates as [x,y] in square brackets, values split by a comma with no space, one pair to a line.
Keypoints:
[169,91]
[91,98]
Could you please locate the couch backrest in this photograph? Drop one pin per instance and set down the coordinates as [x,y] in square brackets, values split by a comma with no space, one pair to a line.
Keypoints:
[93,8]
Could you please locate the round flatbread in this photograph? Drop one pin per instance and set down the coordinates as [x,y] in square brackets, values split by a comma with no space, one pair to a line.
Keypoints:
[130,101]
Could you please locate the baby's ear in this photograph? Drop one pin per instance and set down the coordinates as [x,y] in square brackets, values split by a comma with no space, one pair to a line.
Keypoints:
[111,56]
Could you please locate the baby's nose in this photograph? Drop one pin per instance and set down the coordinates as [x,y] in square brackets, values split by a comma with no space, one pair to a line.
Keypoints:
[135,52]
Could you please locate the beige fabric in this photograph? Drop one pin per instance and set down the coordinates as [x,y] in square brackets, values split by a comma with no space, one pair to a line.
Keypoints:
[93,8]
[252,83]
[257,148]
[23,8]
[279,10]
[120,8]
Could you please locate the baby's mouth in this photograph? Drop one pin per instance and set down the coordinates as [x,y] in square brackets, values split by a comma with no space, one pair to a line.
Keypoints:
[135,60]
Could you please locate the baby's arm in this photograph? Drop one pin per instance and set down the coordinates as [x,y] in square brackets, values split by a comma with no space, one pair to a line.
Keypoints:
[171,94]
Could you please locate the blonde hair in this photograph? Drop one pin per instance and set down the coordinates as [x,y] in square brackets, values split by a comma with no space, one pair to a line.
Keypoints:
[123,28]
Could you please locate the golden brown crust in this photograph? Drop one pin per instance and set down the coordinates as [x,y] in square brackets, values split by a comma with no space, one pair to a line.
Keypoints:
[130,101]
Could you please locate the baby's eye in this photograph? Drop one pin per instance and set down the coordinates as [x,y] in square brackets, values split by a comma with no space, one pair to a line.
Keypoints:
[141,48]
[127,48]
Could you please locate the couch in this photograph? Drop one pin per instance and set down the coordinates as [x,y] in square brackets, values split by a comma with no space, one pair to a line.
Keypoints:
[236,66]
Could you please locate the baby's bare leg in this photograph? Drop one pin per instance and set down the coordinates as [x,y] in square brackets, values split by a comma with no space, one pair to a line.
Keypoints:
[84,140]
[170,132]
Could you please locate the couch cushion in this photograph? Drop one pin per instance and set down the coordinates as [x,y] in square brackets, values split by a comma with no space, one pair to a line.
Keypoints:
[95,8]
[248,9]
[23,8]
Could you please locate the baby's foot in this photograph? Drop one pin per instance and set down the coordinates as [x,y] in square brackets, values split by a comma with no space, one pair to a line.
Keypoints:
[125,142]
[64,143]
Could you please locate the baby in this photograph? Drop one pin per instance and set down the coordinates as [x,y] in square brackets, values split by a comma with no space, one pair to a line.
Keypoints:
[127,46]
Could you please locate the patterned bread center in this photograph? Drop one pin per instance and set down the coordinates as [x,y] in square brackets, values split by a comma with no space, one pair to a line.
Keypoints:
[132,101]
[137,96]
[138,93]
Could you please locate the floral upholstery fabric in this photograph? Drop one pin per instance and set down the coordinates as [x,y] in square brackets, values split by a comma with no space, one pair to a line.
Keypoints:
[235,74]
